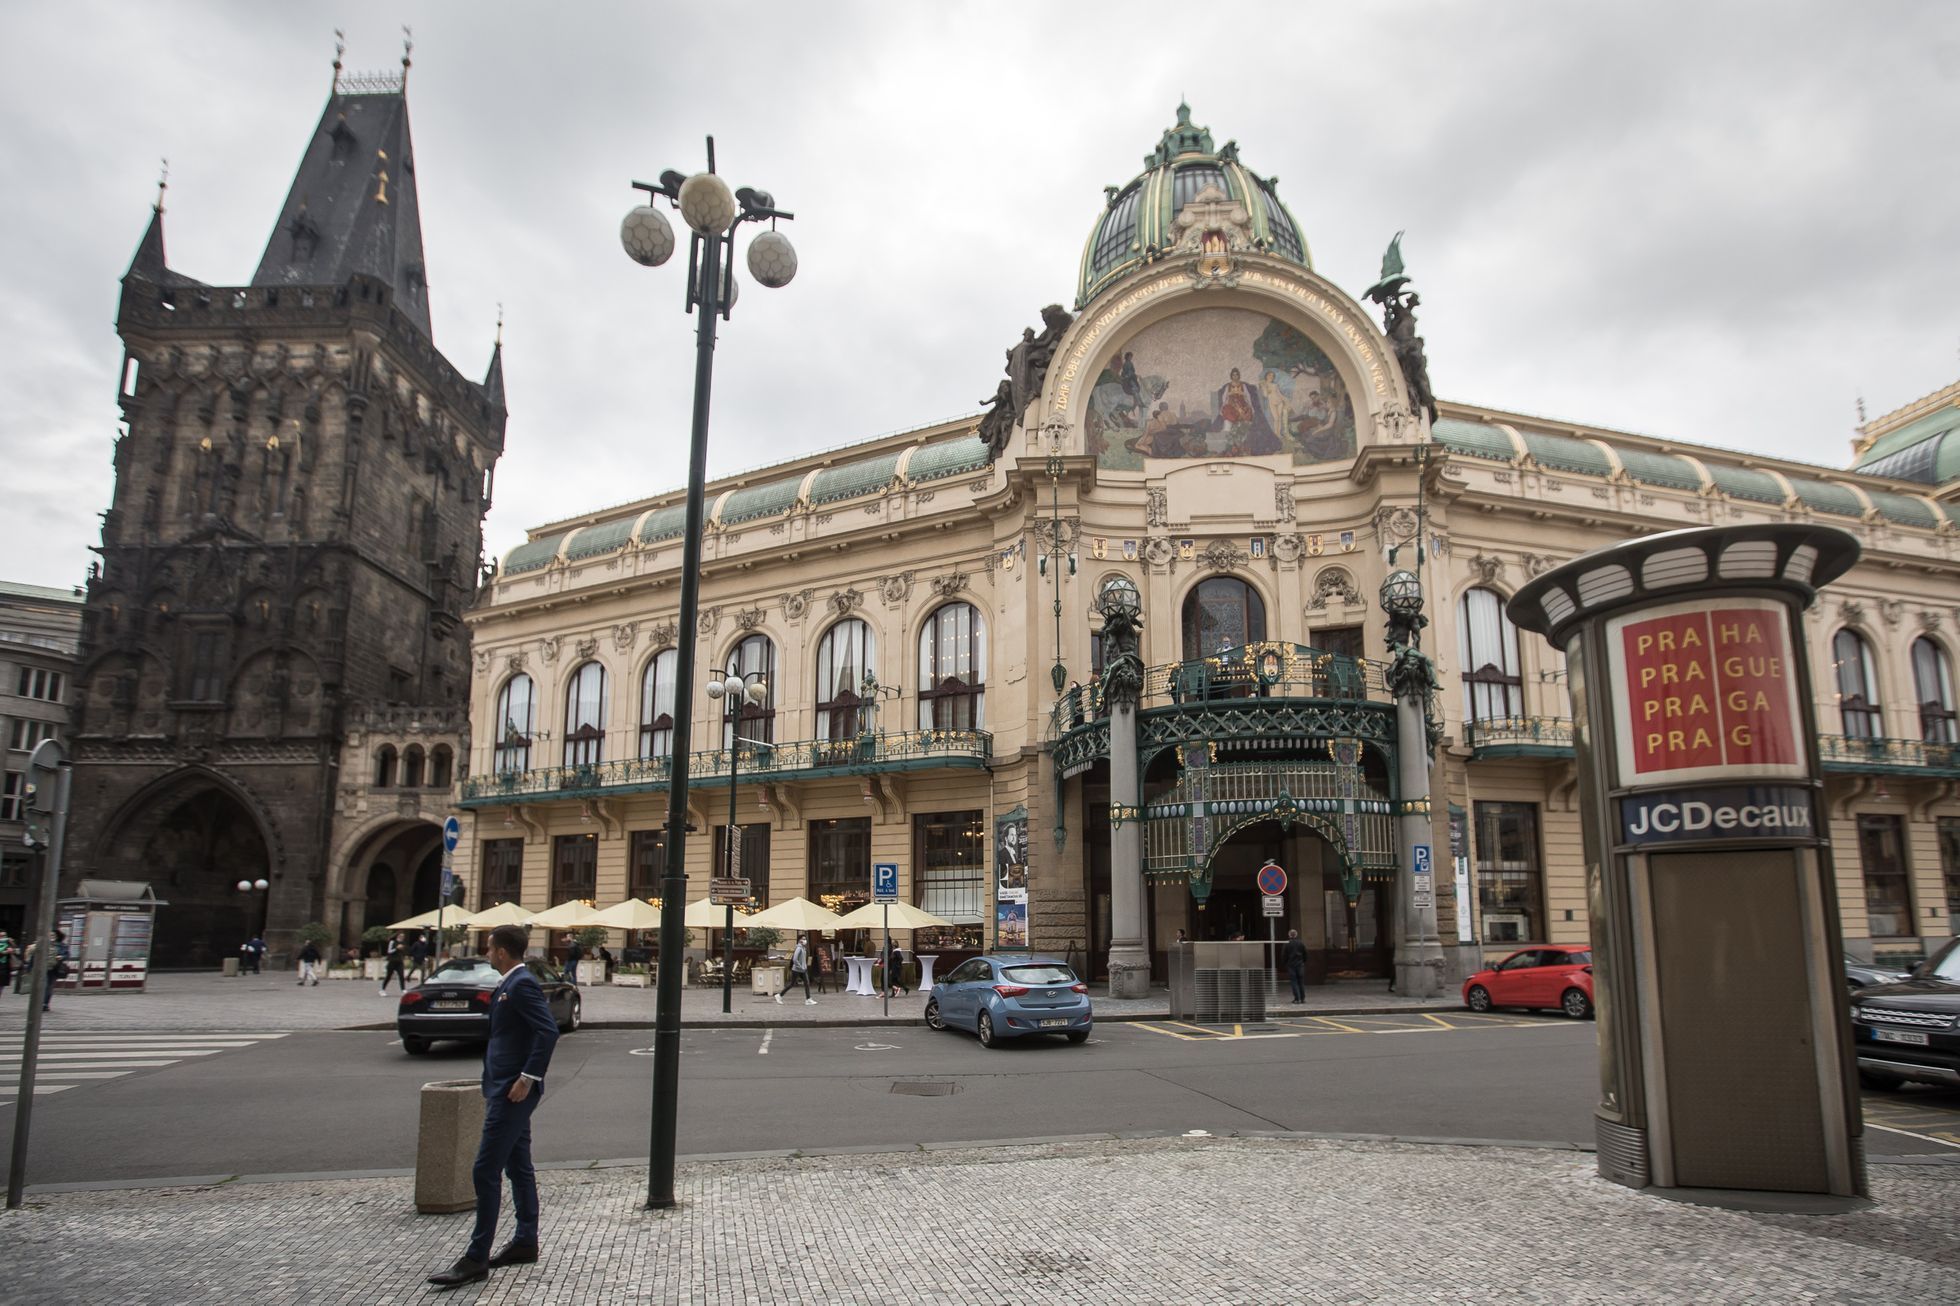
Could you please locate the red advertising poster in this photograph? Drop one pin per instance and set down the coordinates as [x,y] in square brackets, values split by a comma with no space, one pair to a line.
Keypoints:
[1705,691]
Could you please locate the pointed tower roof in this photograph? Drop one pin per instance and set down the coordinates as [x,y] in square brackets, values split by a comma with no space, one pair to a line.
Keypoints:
[352,208]
[493,380]
[149,263]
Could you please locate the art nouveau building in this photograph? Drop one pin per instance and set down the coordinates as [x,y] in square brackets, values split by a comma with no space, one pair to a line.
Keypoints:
[1233,433]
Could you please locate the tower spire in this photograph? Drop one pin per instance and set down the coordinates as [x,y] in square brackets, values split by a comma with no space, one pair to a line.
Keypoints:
[493,379]
[163,184]
[408,47]
[339,49]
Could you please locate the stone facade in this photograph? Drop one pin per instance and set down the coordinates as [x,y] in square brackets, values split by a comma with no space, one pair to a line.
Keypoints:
[39,629]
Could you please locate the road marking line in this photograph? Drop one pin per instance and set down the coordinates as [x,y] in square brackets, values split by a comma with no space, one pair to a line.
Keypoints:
[1199,1030]
[1930,1138]
[1330,1021]
[767,1034]
[12,1082]
[1238,1031]
[1437,1021]
[116,1056]
[1167,1033]
[40,1090]
[51,1069]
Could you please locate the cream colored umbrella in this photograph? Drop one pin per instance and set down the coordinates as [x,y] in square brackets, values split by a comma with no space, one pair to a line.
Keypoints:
[796,914]
[504,913]
[571,915]
[904,916]
[427,920]
[633,914]
[708,915]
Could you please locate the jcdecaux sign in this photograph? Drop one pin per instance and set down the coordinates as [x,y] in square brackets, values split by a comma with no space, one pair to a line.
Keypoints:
[1699,815]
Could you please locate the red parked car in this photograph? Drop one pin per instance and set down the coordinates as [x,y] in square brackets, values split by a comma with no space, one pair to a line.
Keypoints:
[1542,975]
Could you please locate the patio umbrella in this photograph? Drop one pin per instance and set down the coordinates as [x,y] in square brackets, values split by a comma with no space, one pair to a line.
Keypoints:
[796,914]
[571,915]
[504,913]
[904,916]
[427,920]
[706,915]
[633,914]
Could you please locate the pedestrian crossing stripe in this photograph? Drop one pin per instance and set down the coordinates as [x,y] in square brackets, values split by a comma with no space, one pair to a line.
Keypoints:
[1323,1026]
[73,1059]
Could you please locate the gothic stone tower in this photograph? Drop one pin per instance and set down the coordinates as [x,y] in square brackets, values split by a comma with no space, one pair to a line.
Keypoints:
[294,535]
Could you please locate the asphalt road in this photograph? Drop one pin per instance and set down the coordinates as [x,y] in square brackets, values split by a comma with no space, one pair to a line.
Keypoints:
[148,1107]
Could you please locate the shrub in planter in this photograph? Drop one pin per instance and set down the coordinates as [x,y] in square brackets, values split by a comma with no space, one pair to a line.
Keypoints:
[374,940]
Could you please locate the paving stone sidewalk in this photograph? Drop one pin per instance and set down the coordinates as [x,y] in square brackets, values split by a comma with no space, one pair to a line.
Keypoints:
[1161,1220]
[275,1002]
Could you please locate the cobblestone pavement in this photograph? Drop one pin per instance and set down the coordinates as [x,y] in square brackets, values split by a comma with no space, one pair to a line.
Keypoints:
[275,1002]
[1161,1220]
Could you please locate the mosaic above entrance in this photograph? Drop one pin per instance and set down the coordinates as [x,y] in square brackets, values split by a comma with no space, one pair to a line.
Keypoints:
[1219,383]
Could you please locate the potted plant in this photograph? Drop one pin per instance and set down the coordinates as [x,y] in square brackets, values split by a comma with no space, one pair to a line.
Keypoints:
[319,936]
[374,947]
[766,978]
[632,975]
[591,970]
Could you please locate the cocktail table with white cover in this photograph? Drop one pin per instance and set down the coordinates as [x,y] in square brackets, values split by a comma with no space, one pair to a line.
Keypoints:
[925,970]
[859,979]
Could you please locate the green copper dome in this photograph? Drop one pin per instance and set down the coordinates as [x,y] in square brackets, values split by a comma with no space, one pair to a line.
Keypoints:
[1139,220]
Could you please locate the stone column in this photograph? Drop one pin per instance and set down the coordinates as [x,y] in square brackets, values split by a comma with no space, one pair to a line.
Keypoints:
[1129,958]
[1419,952]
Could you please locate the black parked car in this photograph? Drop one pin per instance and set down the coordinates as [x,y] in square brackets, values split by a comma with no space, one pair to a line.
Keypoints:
[454,1002]
[1863,974]
[1911,1029]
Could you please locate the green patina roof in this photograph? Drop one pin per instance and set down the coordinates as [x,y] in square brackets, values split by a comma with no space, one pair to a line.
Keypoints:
[592,540]
[1934,460]
[1475,439]
[1650,468]
[1939,422]
[664,523]
[849,480]
[760,500]
[533,554]
[1824,496]
[1952,511]
[1567,453]
[965,453]
[1903,509]
[1746,483]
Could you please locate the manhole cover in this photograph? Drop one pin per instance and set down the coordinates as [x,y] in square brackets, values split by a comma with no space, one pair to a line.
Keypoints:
[917,1088]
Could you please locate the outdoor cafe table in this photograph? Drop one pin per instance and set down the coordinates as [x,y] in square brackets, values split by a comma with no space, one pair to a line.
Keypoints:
[925,970]
[859,979]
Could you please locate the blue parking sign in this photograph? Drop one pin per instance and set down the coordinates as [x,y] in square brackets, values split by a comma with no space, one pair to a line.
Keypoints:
[1422,859]
[884,882]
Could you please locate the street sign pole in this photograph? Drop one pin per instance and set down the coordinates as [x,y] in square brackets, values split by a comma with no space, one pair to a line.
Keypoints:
[889,980]
[452,833]
[50,771]
[884,889]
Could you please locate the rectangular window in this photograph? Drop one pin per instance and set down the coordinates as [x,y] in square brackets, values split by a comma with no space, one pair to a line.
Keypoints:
[1342,641]
[26,734]
[11,797]
[503,873]
[753,863]
[1510,873]
[840,862]
[1888,891]
[207,678]
[15,871]
[646,862]
[37,683]
[949,850]
[574,867]
[1950,862]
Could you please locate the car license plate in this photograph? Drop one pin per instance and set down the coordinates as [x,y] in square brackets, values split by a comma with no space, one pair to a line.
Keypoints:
[1046,1024]
[1911,1036]
[449,1006]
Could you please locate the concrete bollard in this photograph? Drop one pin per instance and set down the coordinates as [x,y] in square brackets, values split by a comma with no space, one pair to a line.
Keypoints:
[230,967]
[445,1148]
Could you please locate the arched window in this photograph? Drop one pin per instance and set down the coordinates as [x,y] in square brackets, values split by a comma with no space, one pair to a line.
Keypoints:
[516,718]
[1857,684]
[844,656]
[585,715]
[657,704]
[1220,613]
[412,767]
[1932,679]
[1487,645]
[441,763]
[754,658]
[384,767]
[953,669]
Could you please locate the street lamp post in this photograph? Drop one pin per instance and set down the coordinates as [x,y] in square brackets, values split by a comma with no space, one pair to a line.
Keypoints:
[736,691]
[712,214]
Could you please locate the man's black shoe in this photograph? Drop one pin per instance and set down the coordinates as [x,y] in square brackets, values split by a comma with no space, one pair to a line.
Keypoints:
[463,1271]
[515,1253]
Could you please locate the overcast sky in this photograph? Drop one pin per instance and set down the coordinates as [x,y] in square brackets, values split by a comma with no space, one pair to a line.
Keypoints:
[1718,222]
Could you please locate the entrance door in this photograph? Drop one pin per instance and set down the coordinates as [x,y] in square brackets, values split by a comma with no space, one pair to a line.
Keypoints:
[1360,943]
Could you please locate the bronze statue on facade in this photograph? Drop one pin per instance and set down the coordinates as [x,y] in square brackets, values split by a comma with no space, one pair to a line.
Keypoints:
[1399,322]
[1027,368]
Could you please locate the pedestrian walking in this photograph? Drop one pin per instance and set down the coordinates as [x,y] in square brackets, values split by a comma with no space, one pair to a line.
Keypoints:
[895,972]
[799,973]
[57,962]
[418,955]
[1295,957]
[6,960]
[257,945]
[397,960]
[573,954]
[309,963]
[522,1032]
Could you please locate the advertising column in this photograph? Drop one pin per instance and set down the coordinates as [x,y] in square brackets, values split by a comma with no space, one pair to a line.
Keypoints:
[1725,1055]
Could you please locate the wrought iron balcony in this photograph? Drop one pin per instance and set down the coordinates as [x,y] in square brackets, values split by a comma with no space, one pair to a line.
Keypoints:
[1519,736]
[1847,754]
[803,759]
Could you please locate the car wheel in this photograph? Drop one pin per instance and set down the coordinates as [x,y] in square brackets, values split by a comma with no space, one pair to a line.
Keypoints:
[933,1019]
[1880,1082]
[415,1047]
[1575,1004]
[578,1014]
[1478,998]
[1078,1036]
[984,1027]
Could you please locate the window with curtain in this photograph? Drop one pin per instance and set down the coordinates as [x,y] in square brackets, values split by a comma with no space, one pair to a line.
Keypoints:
[752,659]
[1857,684]
[1888,887]
[1932,679]
[514,724]
[847,651]
[574,867]
[949,850]
[840,860]
[1510,873]
[585,715]
[1220,613]
[646,862]
[657,704]
[503,872]
[1487,645]
[751,860]
[953,669]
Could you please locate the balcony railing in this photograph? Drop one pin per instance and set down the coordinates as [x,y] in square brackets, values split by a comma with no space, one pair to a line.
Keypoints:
[801,759]
[1519,736]
[1846,753]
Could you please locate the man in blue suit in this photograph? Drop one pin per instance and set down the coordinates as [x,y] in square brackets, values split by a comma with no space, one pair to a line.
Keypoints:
[522,1032]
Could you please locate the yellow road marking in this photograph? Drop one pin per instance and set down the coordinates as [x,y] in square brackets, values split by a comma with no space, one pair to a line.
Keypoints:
[1330,1021]
[1200,1030]
[1165,1032]
[1238,1031]
[1437,1021]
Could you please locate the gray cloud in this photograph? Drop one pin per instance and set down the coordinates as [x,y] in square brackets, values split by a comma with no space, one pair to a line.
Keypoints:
[1713,221]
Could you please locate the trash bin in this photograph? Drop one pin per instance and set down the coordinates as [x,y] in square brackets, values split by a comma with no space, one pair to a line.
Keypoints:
[231,967]
[445,1148]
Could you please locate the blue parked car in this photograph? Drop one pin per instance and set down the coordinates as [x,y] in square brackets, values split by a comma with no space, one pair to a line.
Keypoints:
[1006,997]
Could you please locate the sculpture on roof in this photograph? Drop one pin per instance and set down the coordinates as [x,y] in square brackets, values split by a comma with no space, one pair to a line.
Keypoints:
[1027,368]
[1399,322]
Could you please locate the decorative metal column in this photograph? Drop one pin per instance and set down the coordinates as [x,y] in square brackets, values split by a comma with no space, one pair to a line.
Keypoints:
[1412,680]
[1122,684]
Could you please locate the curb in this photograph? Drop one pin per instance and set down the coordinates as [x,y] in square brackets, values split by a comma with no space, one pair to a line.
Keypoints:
[1118,1018]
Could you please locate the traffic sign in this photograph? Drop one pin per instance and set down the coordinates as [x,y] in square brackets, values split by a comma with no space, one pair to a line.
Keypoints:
[884,882]
[1425,885]
[1275,905]
[1272,880]
[727,891]
[1422,859]
[448,884]
[452,834]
